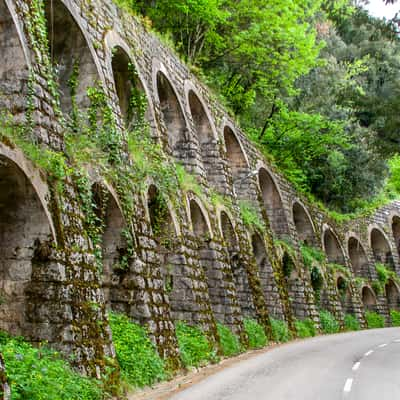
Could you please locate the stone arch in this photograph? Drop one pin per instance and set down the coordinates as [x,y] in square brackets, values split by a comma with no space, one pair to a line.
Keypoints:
[198,216]
[368,298]
[358,257]
[172,111]
[381,247]
[237,158]
[70,49]
[392,293]
[272,201]
[26,242]
[396,232]
[115,258]
[332,247]
[303,223]
[205,131]
[14,66]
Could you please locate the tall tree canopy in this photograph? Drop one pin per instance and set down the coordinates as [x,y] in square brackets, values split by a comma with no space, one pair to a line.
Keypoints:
[315,83]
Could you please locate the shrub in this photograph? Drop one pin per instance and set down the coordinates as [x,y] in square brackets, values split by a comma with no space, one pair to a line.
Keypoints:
[194,347]
[280,331]
[255,333]
[351,323]
[40,373]
[229,342]
[374,320]
[395,317]
[139,361]
[305,328]
[328,322]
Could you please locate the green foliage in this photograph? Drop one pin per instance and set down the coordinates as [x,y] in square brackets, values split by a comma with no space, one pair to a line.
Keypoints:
[40,373]
[250,216]
[229,342]
[194,347]
[255,333]
[374,320]
[311,255]
[351,323]
[280,331]
[140,364]
[395,317]
[328,322]
[305,328]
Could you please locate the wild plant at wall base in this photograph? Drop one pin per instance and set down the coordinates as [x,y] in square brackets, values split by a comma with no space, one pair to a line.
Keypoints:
[194,347]
[328,322]
[280,331]
[374,320]
[351,323]
[255,333]
[139,361]
[229,342]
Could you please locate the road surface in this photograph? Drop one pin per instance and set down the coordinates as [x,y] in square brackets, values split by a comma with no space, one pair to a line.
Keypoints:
[361,365]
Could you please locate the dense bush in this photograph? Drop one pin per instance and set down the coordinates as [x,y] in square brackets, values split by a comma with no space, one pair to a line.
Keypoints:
[229,342]
[374,320]
[305,328]
[351,323]
[280,331]
[139,361]
[395,317]
[328,322]
[194,347]
[255,333]
[39,373]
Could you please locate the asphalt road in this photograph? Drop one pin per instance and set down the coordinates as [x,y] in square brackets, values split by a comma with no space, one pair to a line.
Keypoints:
[353,366]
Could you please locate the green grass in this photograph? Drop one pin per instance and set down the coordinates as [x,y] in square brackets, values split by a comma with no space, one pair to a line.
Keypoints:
[305,328]
[395,317]
[328,322]
[40,374]
[374,320]
[139,361]
[229,342]
[194,347]
[280,331]
[351,323]
[255,333]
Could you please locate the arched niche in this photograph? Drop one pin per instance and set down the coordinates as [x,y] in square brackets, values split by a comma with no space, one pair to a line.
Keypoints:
[128,85]
[70,56]
[236,157]
[115,256]
[199,223]
[381,248]
[396,232]
[358,257]
[332,248]
[368,299]
[303,224]
[162,226]
[272,202]
[13,67]
[345,297]
[204,131]
[25,247]
[259,250]
[392,293]
[172,113]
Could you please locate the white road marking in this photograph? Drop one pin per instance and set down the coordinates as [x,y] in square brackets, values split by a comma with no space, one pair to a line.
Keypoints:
[397,340]
[382,345]
[347,385]
[356,366]
[368,353]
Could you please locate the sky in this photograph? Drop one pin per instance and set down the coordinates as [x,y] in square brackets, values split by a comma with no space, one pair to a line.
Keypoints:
[379,9]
